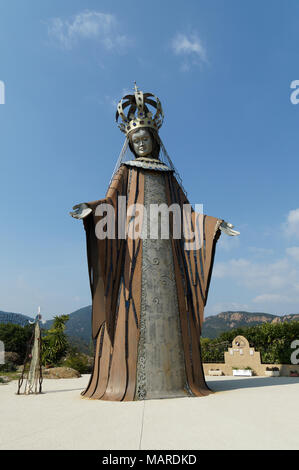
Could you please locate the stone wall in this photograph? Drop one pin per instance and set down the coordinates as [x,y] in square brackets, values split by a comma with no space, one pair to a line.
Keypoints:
[241,355]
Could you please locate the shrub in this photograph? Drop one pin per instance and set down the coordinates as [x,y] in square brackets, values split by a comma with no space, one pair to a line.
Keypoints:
[8,367]
[78,361]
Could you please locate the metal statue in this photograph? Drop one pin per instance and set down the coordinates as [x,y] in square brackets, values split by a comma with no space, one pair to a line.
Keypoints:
[150,260]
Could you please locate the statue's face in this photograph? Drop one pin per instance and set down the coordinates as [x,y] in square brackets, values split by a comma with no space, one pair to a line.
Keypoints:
[142,143]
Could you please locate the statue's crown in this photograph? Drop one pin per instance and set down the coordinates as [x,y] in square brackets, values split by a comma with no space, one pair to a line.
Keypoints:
[138,114]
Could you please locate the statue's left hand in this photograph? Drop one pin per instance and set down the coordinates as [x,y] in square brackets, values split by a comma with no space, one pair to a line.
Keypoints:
[228,229]
[81,211]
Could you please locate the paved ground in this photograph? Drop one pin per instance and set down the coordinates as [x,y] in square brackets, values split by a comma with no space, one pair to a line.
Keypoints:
[244,413]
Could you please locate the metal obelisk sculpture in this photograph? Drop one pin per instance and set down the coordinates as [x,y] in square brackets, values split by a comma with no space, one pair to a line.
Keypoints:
[32,369]
[149,284]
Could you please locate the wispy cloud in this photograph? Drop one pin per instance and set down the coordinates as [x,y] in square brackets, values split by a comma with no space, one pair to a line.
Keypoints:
[190,48]
[291,226]
[183,44]
[280,274]
[275,282]
[88,25]
[272,298]
[293,251]
[270,278]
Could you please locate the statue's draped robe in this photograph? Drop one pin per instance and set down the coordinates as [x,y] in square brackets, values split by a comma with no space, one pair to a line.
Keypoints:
[115,272]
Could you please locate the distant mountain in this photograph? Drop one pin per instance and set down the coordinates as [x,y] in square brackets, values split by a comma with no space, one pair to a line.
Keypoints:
[16,318]
[225,321]
[79,325]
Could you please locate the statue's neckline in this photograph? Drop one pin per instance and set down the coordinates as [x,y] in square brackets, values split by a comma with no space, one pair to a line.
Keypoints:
[148,164]
[148,159]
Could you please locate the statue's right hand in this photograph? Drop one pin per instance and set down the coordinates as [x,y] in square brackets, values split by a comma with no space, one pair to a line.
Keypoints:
[80,211]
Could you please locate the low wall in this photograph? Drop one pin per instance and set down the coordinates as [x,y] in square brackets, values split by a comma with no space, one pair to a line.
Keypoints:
[259,369]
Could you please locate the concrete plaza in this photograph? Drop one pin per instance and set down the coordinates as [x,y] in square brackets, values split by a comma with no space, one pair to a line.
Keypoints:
[243,413]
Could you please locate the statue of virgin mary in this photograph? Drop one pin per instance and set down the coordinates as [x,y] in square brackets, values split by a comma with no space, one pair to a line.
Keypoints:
[148,290]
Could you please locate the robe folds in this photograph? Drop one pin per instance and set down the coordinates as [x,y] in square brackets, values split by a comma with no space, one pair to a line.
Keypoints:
[115,273]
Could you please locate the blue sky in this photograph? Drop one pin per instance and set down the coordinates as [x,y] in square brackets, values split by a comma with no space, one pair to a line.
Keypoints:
[222,71]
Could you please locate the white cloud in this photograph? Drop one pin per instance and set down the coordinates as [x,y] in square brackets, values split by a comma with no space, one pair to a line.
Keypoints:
[191,48]
[102,27]
[272,298]
[266,280]
[291,227]
[181,44]
[271,276]
[273,284]
[293,252]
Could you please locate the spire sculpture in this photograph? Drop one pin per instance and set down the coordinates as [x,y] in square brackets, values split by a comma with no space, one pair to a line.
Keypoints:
[32,369]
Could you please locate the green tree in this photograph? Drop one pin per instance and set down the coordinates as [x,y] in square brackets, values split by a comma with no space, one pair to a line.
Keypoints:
[212,350]
[16,338]
[54,342]
[272,340]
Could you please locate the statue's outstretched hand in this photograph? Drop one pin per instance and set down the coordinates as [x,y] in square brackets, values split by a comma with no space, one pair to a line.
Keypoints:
[228,229]
[80,211]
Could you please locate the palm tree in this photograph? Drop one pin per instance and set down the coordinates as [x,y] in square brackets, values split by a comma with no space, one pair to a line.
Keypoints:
[55,343]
